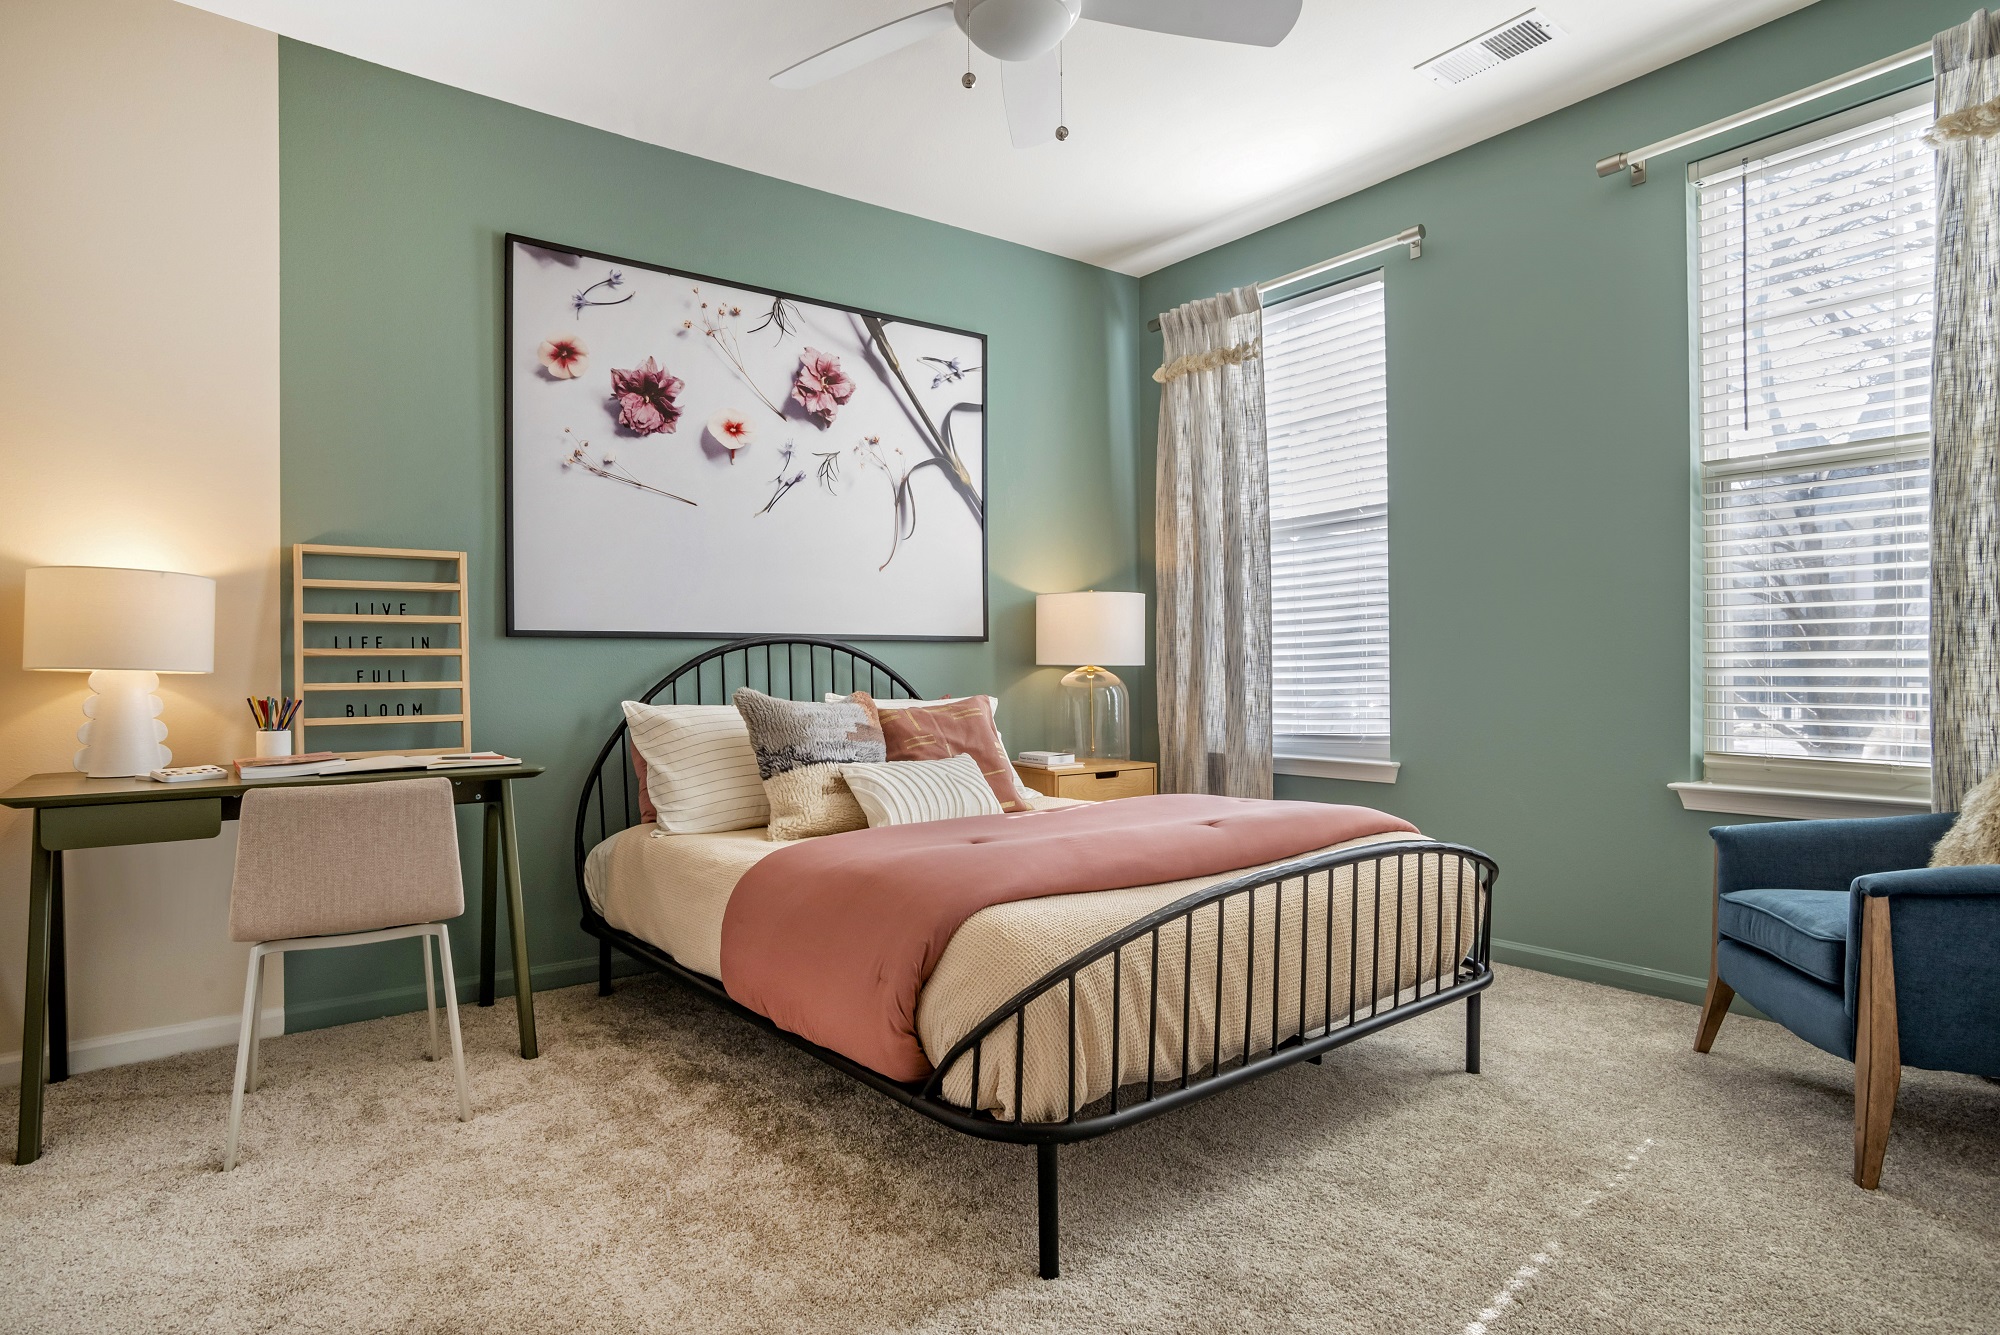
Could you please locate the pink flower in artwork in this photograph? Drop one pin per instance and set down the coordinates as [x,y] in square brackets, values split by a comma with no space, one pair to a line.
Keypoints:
[646,395]
[732,431]
[821,386]
[563,355]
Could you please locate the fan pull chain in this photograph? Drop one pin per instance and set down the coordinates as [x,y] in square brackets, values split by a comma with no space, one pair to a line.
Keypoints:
[970,78]
[1062,112]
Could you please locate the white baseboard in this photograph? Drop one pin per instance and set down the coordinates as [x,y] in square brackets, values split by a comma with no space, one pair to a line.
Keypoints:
[144,1045]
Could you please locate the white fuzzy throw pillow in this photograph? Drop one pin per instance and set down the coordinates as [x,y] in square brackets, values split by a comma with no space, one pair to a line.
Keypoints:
[1974,839]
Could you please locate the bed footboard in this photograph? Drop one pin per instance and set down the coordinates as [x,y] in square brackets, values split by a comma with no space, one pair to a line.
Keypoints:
[1270,968]
[1412,920]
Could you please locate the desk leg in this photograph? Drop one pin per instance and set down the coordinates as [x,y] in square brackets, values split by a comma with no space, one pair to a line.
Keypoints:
[58,976]
[489,899]
[517,925]
[35,1005]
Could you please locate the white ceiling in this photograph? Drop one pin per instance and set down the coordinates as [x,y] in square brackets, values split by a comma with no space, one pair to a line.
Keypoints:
[1177,145]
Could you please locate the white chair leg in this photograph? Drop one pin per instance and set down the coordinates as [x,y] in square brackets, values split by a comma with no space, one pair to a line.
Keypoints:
[451,1011]
[243,1040]
[257,1024]
[430,999]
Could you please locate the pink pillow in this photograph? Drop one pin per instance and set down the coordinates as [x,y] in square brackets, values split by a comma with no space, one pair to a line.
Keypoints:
[942,729]
[648,813]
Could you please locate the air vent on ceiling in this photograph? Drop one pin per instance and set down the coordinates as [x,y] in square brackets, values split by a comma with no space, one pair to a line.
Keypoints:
[1516,37]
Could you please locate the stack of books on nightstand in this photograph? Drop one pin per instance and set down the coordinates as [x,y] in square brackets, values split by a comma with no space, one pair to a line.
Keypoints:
[1047,759]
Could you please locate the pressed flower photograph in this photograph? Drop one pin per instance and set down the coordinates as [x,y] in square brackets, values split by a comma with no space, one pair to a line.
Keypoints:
[835,455]
[821,386]
[732,431]
[563,356]
[645,397]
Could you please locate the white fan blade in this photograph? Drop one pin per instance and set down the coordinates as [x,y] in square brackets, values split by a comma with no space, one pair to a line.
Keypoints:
[1250,22]
[1032,90]
[855,52]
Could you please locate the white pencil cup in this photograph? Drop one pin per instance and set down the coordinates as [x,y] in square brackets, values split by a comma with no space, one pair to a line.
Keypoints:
[274,743]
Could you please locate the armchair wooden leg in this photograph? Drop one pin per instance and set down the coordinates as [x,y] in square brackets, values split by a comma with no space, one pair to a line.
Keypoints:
[1878,1065]
[1716,1004]
[1713,1008]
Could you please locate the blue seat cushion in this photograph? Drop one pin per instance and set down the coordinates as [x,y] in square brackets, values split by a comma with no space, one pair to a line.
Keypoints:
[1806,929]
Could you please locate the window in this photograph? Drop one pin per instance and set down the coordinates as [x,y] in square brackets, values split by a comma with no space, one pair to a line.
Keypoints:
[1814,256]
[1327,421]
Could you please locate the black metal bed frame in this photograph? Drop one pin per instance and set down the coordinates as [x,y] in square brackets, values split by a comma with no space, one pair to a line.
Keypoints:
[790,663]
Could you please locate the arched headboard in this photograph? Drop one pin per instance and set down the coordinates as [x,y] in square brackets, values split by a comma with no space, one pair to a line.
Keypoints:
[792,669]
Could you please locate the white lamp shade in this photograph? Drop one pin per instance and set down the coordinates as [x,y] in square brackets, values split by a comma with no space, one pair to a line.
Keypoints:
[106,618]
[1095,629]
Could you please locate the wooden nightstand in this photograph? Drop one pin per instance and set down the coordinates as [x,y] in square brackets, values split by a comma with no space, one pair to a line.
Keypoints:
[1096,781]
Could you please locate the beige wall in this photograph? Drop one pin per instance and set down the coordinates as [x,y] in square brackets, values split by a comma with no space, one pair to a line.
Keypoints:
[138,426]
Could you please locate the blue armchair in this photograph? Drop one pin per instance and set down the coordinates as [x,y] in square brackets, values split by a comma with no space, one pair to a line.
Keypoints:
[1837,930]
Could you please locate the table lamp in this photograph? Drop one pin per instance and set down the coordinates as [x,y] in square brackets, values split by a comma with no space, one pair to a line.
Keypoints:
[1093,629]
[121,626]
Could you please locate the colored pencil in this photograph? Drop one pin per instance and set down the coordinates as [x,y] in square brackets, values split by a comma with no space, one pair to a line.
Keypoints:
[272,713]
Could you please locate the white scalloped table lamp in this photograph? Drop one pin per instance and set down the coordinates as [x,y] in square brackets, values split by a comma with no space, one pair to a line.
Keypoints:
[122,627]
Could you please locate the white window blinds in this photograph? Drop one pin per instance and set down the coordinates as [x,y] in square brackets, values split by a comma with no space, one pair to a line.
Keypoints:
[1814,313]
[1327,421]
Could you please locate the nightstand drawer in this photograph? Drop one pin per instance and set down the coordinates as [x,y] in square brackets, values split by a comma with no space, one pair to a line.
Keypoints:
[1103,785]
[1094,783]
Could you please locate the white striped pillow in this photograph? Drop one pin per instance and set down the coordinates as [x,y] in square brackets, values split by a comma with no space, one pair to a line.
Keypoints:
[700,769]
[907,792]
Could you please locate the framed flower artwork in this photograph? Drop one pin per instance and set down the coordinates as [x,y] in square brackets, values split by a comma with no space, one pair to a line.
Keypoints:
[692,457]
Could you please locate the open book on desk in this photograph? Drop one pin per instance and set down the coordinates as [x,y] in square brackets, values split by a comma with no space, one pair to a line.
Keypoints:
[302,766]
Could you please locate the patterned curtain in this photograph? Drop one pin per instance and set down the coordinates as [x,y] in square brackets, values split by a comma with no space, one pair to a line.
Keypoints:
[1213,534]
[1965,415]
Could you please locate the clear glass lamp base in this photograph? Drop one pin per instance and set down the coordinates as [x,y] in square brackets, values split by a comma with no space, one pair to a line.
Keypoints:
[1097,714]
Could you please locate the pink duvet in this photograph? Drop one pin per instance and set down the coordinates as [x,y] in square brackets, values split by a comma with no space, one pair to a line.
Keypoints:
[834,938]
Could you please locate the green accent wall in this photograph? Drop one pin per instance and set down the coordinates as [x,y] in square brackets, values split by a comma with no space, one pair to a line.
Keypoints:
[395,195]
[1543,587]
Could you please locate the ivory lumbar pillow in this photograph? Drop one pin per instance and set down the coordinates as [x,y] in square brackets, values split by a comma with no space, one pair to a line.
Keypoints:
[1974,838]
[701,772]
[909,792]
[800,748]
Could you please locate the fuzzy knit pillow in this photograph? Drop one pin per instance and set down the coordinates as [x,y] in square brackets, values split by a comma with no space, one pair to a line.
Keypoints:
[1974,838]
[800,748]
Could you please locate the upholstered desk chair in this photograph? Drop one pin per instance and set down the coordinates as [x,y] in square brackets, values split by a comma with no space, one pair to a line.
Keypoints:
[1837,930]
[344,865]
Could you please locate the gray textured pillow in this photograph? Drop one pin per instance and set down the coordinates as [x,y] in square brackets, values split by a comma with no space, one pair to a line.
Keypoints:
[800,748]
[1974,838]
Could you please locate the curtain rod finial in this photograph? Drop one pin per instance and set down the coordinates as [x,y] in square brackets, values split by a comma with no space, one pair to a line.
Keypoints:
[1610,165]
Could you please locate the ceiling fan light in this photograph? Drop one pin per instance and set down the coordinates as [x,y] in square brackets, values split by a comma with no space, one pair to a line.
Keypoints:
[1017,29]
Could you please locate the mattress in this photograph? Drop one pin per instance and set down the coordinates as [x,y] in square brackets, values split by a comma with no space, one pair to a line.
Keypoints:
[1343,948]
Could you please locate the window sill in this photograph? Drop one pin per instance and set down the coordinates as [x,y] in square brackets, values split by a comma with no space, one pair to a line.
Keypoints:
[1321,767]
[1791,803]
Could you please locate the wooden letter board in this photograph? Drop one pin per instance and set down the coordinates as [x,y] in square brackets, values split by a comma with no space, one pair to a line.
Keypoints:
[364,625]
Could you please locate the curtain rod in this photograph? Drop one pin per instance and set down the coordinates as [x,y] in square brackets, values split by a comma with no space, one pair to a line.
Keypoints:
[1636,158]
[1413,237]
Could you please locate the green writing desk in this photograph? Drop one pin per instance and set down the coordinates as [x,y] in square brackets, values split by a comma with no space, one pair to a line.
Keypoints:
[73,811]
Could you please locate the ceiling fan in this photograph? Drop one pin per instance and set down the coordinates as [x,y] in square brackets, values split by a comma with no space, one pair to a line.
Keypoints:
[1026,36]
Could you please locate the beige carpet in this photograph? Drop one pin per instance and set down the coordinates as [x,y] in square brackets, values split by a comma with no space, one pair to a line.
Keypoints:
[666,1167]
